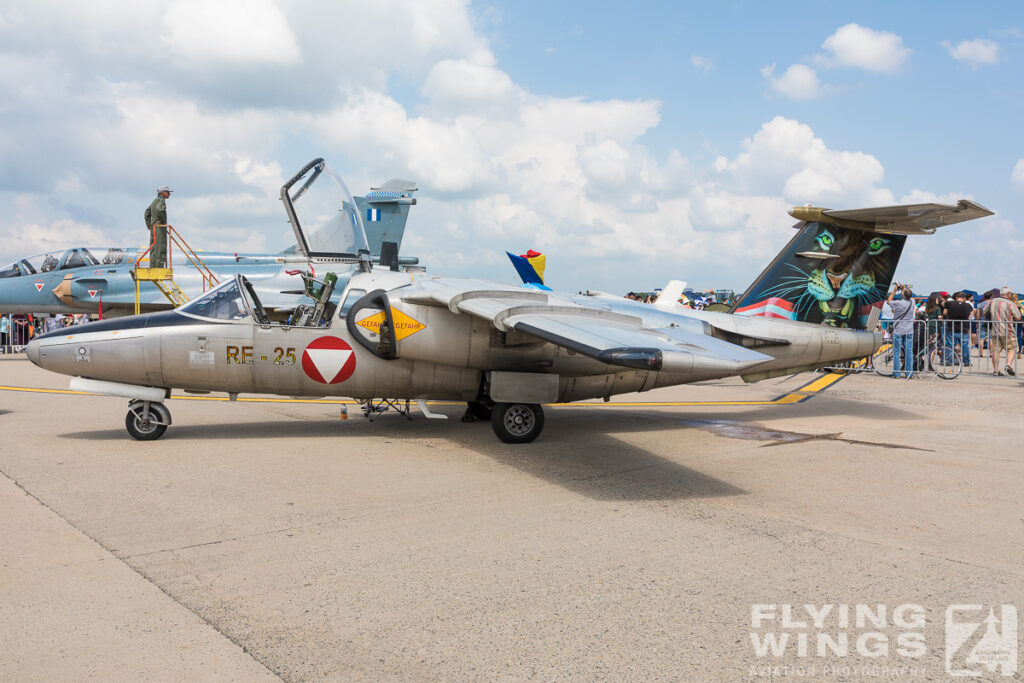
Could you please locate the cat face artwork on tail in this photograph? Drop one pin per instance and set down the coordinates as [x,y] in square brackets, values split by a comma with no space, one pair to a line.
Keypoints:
[827,274]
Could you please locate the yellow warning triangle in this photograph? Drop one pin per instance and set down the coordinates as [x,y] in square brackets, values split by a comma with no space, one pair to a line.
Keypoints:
[404,325]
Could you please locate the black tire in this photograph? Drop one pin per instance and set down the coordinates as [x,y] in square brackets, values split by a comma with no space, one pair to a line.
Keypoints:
[147,430]
[517,422]
[950,370]
[883,361]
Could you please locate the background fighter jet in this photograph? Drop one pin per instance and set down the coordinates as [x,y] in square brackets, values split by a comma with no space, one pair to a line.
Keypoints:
[376,331]
[82,279]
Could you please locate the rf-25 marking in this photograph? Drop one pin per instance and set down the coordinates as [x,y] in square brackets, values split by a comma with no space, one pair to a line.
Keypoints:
[378,331]
[244,355]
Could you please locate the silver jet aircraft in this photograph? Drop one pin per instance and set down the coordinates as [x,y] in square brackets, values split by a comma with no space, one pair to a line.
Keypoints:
[386,335]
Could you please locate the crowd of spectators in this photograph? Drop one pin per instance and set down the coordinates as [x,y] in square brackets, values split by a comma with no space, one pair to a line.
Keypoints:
[959,323]
[694,300]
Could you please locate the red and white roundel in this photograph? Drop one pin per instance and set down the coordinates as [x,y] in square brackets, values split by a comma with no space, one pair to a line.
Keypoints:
[328,360]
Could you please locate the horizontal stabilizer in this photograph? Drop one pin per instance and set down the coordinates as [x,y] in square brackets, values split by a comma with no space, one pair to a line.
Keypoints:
[910,219]
[395,185]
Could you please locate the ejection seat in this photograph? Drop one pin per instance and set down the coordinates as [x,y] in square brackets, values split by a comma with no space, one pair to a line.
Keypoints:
[320,312]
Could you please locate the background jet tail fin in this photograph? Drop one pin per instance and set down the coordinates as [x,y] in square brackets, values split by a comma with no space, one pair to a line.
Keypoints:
[670,294]
[530,267]
[385,210]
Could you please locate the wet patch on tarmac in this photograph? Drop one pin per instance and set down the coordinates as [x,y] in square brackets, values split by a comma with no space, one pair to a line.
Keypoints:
[778,437]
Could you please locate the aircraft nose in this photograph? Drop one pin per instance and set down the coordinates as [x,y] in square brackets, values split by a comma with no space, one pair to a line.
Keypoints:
[32,351]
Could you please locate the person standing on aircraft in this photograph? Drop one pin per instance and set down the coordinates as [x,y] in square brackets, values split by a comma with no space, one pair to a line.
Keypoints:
[156,223]
[902,331]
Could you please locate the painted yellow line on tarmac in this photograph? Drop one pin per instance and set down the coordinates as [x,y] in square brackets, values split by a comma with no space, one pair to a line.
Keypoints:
[821,383]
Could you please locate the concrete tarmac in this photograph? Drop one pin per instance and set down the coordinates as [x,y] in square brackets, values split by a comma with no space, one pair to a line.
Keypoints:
[271,539]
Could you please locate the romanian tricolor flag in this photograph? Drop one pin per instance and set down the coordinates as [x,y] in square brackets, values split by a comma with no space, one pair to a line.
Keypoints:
[530,266]
[537,260]
[772,308]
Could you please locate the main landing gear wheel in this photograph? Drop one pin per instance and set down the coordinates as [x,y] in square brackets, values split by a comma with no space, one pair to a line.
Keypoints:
[517,422]
[147,421]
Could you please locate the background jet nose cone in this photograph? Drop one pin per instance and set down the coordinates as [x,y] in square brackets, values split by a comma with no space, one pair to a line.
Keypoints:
[32,351]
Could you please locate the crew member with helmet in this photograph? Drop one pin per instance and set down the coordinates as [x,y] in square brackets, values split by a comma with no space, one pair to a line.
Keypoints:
[156,223]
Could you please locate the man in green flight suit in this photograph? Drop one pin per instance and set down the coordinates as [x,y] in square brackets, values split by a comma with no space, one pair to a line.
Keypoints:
[156,223]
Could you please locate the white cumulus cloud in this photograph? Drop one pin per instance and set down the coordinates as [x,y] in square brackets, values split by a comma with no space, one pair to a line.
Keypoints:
[240,31]
[703,64]
[786,159]
[799,82]
[1017,177]
[858,46]
[974,52]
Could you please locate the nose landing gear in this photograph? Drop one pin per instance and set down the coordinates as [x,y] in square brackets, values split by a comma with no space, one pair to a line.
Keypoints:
[146,420]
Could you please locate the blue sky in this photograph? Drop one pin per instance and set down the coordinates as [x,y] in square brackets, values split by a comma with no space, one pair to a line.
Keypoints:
[633,144]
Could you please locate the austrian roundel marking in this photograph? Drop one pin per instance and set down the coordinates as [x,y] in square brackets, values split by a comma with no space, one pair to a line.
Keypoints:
[328,360]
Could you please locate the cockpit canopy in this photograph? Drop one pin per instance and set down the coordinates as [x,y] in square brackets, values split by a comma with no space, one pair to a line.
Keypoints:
[323,214]
[78,257]
[236,300]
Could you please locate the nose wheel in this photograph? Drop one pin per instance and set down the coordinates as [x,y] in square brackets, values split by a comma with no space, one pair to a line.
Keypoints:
[147,421]
[517,422]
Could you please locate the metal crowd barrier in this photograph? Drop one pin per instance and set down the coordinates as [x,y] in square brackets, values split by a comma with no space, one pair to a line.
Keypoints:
[947,349]
[15,334]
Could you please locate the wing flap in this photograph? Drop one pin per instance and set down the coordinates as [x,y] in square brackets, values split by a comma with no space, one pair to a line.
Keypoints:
[618,343]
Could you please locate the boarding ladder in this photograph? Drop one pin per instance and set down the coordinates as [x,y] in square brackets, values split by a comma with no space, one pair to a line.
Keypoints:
[163,278]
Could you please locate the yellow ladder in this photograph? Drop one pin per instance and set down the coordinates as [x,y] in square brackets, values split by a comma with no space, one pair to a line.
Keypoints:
[163,278]
[172,292]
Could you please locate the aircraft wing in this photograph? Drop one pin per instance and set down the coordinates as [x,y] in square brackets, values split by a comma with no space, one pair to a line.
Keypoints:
[910,219]
[603,335]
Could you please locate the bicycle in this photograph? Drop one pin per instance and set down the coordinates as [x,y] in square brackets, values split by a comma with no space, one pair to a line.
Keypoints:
[946,361]
[883,360]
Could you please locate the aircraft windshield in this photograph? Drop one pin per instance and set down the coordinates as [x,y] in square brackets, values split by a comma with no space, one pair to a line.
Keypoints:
[109,256]
[44,263]
[78,258]
[70,258]
[222,303]
[10,270]
[323,214]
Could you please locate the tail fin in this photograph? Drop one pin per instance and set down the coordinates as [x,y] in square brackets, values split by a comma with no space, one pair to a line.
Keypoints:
[530,267]
[670,294]
[840,264]
[385,210]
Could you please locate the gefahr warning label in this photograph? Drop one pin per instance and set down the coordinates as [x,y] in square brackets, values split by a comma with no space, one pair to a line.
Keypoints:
[404,325]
